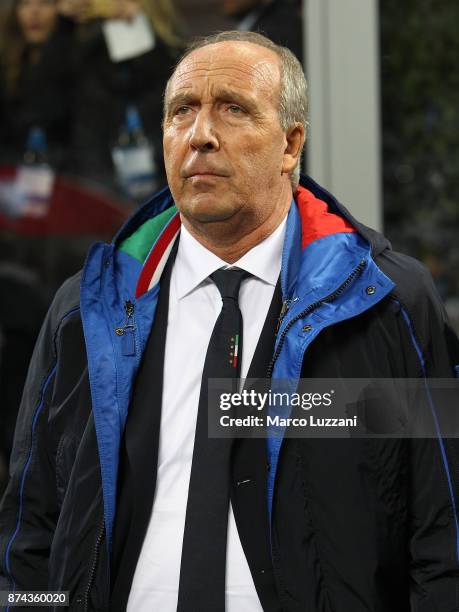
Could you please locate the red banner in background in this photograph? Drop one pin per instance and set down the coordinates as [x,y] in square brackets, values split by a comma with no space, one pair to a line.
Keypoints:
[75,208]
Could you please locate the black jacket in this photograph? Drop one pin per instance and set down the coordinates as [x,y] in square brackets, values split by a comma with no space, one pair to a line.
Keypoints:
[355,524]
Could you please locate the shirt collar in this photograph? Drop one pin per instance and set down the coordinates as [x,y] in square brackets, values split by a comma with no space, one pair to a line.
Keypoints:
[194,263]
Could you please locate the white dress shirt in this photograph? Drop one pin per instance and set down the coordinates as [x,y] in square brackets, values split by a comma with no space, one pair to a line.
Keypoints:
[194,306]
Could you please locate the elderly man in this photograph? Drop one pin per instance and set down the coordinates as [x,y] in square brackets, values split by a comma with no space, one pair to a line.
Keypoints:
[117,492]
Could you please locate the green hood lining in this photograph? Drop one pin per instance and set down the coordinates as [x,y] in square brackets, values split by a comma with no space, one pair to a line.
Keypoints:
[139,244]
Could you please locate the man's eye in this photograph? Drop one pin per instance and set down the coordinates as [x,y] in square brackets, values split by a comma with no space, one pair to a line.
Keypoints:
[235,109]
[181,110]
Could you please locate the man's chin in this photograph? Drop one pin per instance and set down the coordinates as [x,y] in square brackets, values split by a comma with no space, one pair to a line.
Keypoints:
[209,210]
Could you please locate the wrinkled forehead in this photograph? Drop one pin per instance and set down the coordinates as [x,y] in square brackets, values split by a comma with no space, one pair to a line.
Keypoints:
[232,64]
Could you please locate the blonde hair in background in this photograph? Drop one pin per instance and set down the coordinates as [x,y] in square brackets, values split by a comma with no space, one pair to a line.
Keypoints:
[161,14]
[164,19]
[12,45]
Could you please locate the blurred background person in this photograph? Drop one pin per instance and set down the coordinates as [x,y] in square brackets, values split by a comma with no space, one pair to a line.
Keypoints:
[280,20]
[36,80]
[127,51]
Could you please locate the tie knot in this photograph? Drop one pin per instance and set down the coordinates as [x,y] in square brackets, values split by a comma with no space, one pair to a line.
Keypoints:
[229,281]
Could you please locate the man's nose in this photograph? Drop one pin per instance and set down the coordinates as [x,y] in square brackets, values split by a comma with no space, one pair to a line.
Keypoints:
[203,134]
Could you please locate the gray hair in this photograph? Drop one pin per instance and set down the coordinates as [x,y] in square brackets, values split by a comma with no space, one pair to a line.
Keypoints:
[293,98]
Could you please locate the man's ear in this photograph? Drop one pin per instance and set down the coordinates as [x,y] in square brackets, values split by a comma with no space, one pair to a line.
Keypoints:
[294,138]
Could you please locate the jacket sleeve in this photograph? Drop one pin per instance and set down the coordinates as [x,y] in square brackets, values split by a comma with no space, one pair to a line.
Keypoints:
[433,494]
[29,508]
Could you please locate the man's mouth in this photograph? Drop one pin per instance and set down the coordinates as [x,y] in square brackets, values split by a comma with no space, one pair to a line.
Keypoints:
[205,174]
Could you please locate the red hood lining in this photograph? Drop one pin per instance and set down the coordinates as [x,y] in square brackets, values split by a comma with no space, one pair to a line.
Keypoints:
[316,221]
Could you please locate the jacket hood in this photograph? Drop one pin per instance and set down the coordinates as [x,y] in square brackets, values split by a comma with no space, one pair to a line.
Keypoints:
[156,224]
[163,200]
[377,241]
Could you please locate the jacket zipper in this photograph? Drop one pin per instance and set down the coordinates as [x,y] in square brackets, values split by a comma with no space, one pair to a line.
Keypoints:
[285,307]
[95,558]
[326,300]
[127,332]
[283,312]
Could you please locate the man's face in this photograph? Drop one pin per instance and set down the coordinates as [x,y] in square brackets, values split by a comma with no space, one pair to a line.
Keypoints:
[223,143]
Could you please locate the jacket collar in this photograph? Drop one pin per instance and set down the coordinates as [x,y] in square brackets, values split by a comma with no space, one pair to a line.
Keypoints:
[317,215]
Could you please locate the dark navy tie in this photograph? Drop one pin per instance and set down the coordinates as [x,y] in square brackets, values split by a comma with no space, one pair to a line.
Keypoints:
[202,570]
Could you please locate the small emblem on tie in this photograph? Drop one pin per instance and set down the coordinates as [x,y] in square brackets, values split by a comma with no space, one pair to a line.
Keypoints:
[235,350]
